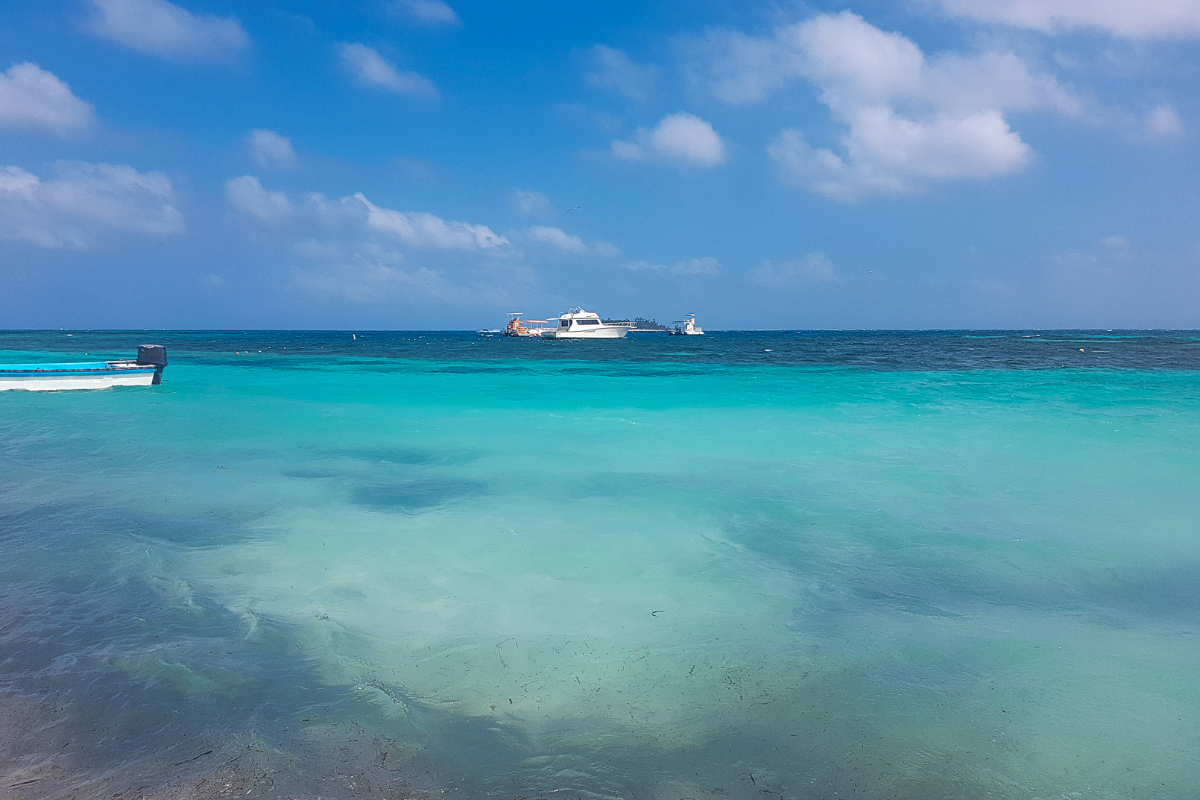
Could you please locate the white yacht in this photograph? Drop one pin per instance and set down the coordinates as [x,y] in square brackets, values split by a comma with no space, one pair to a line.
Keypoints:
[580,324]
[687,327]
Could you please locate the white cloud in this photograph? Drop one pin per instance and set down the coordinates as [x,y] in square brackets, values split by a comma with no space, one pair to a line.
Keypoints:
[372,70]
[688,138]
[890,155]
[83,202]
[427,12]
[33,99]
[351,248]
[417,169]
[269,149]
[248,195]
[317,250]
[366,280]
[909,120]
[531,203]
[987,81]
[1139,19]
[680,137]
[567,242]
[854,63]
[1164,123]
[812,268]
[421,229]
[694,266]
[628,151]
[739,68]
[164,29]
[557,238]
[612,69]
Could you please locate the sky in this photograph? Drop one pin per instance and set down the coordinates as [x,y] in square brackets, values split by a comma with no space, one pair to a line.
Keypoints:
[420,164]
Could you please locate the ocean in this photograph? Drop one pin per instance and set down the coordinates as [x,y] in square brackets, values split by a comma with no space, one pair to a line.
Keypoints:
[746,565]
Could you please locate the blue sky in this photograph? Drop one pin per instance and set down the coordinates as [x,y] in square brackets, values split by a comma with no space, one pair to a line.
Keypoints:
[417,164]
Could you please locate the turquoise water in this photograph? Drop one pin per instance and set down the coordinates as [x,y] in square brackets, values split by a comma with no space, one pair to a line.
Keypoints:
[776,564]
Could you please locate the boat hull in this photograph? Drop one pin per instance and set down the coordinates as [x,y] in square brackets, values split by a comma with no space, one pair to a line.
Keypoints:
[60,377]
[595,333]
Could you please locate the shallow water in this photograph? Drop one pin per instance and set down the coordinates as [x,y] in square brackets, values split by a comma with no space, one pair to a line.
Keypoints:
[785,564]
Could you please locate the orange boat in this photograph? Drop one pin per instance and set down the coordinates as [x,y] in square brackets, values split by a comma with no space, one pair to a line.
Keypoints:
[523,327]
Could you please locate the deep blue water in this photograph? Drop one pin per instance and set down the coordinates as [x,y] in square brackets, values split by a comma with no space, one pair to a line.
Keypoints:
[879,350]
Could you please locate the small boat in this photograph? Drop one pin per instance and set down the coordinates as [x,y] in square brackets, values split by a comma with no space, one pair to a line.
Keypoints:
[580,324]
[147,370]
[524,327]
[687,327]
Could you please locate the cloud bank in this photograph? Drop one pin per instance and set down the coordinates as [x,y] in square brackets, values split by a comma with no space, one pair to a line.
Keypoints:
[353,248]
[814,268]
[84,202]
[414,230]
[1138,19]
[359,250]
[694,266]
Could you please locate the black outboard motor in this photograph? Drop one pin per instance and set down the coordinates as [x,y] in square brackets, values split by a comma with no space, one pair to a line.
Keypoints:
[153,355]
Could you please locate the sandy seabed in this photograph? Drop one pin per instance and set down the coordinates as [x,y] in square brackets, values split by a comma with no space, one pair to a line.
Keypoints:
[43,758]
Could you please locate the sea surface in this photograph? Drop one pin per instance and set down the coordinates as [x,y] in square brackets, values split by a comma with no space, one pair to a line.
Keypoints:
[747,565]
